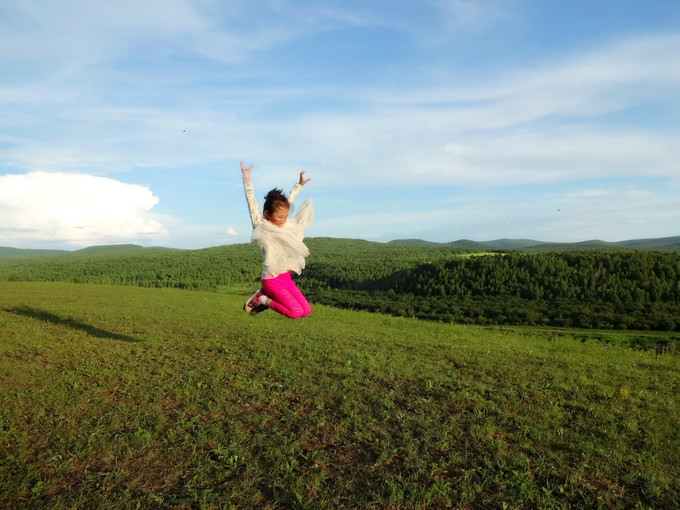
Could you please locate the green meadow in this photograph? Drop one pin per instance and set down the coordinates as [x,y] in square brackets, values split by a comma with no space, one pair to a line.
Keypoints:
[129,397]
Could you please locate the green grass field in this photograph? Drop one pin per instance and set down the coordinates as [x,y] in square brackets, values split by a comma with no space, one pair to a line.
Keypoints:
[123,397]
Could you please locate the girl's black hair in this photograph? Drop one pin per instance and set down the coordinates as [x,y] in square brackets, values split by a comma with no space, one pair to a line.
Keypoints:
[273,200]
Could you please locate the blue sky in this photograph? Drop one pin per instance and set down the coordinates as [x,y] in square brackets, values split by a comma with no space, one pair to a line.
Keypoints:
[125,122]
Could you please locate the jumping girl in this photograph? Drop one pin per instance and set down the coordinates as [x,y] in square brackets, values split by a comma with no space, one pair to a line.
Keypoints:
[280,241]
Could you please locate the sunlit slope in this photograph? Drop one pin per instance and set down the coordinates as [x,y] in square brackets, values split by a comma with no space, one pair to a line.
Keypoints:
[117,396]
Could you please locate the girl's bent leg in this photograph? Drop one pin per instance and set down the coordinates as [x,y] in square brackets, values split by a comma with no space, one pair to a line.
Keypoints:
[286,298]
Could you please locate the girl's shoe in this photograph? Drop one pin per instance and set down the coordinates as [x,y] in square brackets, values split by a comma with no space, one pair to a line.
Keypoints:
[253,305]
[258,309]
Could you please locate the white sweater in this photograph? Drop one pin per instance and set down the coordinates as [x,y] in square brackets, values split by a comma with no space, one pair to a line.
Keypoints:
[282,247]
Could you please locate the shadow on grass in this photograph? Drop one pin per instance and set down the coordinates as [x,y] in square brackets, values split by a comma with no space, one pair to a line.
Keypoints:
[70,322]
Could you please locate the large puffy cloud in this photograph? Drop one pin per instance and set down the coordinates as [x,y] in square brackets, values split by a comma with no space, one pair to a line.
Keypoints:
[76,208]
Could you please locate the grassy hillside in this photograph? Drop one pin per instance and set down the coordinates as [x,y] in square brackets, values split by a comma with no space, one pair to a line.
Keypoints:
[623,289]
[124,397]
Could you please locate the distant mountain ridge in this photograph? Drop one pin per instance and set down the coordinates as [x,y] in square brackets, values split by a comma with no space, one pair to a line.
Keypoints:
[533,246]
[113,249]
[10,253]
[505,244]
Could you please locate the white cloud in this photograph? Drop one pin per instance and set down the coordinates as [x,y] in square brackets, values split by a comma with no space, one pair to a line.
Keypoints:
[81,209]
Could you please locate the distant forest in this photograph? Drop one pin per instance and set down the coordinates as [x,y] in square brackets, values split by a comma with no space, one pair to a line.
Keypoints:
[611,290]
[598,288]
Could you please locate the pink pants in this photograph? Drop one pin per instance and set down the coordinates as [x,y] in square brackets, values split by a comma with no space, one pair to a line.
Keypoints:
[286,297]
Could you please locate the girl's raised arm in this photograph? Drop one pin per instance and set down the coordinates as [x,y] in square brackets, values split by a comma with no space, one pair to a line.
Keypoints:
[298,186]
[303,181]
[246,171]
[255,215]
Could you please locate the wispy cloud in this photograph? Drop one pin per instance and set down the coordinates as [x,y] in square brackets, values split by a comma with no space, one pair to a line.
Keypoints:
[202,84]
[495,131]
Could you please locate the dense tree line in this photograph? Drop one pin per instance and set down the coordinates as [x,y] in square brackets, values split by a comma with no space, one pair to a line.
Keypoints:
[338,262]
[595,289]
[619,278]
[623,290]
[184,269]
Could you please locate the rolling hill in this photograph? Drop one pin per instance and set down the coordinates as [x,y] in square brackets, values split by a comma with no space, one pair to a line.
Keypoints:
[533,246]
[524,245]
[12,253]
[114,249]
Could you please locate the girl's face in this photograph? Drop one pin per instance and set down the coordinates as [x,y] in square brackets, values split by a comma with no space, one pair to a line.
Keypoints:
[278,217]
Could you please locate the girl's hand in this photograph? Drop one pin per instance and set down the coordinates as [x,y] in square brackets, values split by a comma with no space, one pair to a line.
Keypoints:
[246,171]
[303,181]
